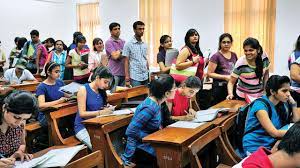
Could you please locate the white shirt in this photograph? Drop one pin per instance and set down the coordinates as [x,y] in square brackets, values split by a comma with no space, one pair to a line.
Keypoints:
[11,76]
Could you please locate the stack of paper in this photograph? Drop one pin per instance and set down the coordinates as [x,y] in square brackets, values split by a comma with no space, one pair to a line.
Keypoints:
[53,158]
[185,124]
[71,88]
[208,115]
[120,112]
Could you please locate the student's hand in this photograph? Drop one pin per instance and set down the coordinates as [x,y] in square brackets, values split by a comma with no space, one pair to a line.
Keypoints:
[111,107]
[22,155]
[291,100]
[129,165]
[7,162]
[63,99]
[196,59]
[127,81]
[230,97]
[192,111]
[105,111]
[227,77]
[189,116]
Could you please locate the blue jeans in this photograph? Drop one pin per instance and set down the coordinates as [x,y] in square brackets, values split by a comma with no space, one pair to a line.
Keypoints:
[119,81]
[135,83]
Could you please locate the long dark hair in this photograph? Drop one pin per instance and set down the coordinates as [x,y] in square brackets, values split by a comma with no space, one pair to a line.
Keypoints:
[254,43]
[297,45]
[158,87]
[162,40]
[196,49]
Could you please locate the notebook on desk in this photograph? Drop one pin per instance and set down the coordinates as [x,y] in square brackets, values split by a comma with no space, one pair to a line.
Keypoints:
[208,115]
[120,112]
[53,158]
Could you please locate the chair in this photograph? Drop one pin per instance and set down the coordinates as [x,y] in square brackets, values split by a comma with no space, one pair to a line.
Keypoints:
[203,141]
[115,137]
[229,123]
[94,159]
[32,130]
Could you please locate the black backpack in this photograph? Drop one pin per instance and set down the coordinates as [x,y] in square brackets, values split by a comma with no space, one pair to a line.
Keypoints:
[241,121]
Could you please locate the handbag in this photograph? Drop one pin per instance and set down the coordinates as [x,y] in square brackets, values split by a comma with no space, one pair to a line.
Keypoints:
[181,75]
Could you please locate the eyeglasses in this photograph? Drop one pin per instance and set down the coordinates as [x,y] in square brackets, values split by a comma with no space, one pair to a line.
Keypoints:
[224,42]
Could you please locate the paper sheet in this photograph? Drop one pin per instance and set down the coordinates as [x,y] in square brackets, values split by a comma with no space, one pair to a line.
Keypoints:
[207,115]
[185,124]
[120,112]
[71,88]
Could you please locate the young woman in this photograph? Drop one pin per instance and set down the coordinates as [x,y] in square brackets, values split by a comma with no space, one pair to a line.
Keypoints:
[262,126]
[191,54]
[165,43]
[294,62]
[251,71]
[49,43]
[16,109]
[97,57]
[92,102]
[47,91]
[220,67]
[181,106]
[146,120]
[41,56]
[81,72]
[59,56]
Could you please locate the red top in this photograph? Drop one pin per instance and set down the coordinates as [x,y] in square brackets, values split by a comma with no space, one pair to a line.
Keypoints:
[200,64]
[180,104]
[258,159]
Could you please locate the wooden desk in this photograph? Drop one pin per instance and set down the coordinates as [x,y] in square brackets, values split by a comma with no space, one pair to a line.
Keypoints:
[31,87]
[94,127]
[171,144]
[116,98]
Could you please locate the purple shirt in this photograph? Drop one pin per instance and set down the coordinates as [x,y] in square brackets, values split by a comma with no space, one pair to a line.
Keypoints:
[116,66]
[224,65]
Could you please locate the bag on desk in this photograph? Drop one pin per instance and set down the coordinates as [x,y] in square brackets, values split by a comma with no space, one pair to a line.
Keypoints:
[181,75]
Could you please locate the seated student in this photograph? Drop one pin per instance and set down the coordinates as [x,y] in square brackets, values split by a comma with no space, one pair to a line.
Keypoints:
[18,74]
[16,109]
[287,154]
[146,120]
[92,101]
[260,128]
[181,106]
[47,91]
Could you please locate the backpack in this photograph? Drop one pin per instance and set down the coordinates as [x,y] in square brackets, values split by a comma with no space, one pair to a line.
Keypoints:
[241,121]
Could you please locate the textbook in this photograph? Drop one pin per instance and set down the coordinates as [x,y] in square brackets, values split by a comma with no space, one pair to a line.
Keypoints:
[208,115]
[84,55]
[53,158]
[70,89]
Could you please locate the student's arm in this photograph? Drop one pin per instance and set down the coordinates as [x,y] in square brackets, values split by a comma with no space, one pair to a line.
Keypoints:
[230,86]
[295,110]
[163,68]
[211,72]
[104,60]
[187,117]
[29,76]
[7,162]
[81,99]
[3,58]
[43,104]
[112,51]
[267,124]
[266,77]
[181,62]
[295,72]
[21,152]
[69,63]
[37,60]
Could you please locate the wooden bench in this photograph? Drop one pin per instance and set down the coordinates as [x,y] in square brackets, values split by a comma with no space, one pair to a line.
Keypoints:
[204,140]
[32,130]
[94,159]
[116,141]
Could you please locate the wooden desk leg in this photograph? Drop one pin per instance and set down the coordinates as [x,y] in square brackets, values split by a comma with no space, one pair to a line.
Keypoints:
[168,156]
[98,140]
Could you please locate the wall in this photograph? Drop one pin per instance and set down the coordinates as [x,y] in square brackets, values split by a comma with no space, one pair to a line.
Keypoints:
[287,32]
[207,17]
[56,19]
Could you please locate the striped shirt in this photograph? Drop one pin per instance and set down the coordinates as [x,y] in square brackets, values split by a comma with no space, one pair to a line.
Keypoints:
[294,58]
[248,83]
[146,120]
[136,51]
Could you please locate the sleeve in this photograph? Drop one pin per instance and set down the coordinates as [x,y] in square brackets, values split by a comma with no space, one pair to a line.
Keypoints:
[29,75]
[126,50]
[160,57]
[6,75]
[266,61]
[40,90]
[258,105]
[134,133]
[109,48]
[214,58]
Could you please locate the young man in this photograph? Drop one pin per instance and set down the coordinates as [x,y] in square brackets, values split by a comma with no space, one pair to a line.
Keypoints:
[114,46]
[287,154]
[30,50]
[18,74]
[136,63]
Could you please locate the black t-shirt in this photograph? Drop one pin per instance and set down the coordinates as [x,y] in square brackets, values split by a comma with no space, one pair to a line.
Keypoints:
[161,56]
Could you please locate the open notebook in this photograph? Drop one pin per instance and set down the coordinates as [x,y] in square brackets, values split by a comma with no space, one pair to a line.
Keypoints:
[120,112]
[208,115]
[53,158]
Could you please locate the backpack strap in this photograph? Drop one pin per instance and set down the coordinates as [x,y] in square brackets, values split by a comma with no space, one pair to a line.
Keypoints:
[269,110]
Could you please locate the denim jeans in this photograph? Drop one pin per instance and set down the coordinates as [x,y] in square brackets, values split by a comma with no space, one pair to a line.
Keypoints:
[119,81]
[135,83]
[84,137]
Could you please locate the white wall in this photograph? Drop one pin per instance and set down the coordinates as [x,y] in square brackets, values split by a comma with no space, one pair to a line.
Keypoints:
[207,17]
[19,17]
[287,32]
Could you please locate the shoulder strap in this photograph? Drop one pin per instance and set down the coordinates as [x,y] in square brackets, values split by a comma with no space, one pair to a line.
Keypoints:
[269,110]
